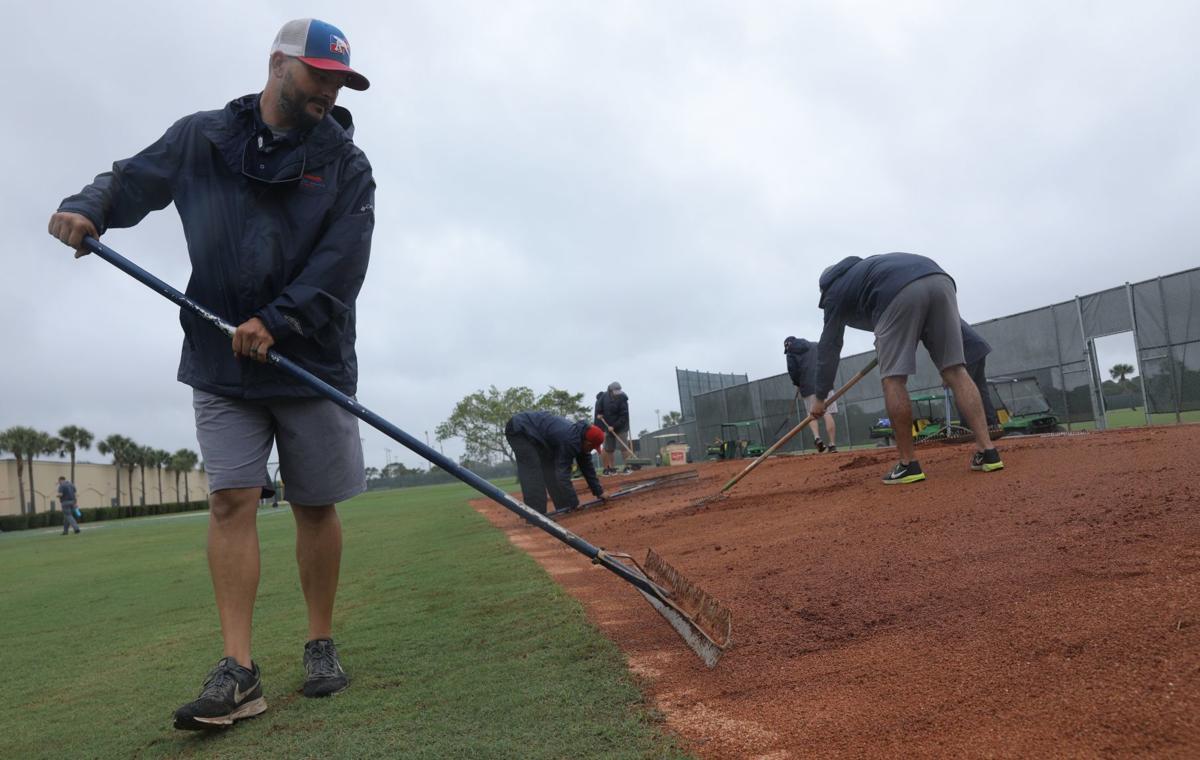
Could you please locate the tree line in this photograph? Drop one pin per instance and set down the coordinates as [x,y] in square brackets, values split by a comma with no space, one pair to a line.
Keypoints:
[25,443]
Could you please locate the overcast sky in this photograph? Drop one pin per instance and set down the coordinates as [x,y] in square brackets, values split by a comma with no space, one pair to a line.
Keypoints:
[575,193]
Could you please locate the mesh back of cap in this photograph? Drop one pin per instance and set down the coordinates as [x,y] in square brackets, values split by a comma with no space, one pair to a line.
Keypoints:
[291,37]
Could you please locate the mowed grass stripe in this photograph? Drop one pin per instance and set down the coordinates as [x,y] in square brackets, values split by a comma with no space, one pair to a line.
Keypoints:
[458,644]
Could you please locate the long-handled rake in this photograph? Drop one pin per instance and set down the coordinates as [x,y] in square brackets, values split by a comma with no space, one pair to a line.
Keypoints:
[702,621]
[789,435]
[620,440]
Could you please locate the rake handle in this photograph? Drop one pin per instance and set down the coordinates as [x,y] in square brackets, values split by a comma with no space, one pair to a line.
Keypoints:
[791,433]
[610,429]
[379,423]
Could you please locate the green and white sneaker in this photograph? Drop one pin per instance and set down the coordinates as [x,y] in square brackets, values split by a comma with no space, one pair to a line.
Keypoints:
[904,473]
[230,693]
[986,461]
[323,674]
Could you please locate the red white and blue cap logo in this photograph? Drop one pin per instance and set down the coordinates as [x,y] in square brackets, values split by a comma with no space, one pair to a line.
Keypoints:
[320,45]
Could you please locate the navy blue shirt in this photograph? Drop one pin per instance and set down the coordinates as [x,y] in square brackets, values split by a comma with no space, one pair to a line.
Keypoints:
[855,292]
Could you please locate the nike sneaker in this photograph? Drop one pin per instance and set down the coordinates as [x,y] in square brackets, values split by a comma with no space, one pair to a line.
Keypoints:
[230,693]
[986,461]
[904,473]
[323,674]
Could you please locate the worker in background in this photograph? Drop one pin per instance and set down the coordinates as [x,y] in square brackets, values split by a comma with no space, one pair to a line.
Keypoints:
[802,368]
[612,416]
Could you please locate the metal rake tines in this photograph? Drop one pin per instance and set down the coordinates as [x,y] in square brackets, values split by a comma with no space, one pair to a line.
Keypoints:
[712,618]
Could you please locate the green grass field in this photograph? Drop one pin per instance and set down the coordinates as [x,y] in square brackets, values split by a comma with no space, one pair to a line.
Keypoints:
[1124,418]
[458,644]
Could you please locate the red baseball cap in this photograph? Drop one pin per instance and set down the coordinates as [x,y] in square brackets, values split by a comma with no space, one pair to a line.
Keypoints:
[594,436]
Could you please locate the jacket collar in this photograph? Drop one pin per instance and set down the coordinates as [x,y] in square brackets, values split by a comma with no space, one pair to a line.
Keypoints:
[237,123]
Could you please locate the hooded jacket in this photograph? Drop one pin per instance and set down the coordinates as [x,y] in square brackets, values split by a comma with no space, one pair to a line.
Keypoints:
[975,348]
[615,408]
[855,292]
[561,441]
[802,365]
[290,248]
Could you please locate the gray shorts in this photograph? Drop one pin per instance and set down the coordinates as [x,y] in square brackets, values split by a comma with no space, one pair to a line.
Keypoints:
[610,440]
[320,453]
[925,310]
[831,407]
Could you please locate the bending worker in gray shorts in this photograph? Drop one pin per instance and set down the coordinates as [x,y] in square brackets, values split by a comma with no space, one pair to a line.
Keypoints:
[903,298]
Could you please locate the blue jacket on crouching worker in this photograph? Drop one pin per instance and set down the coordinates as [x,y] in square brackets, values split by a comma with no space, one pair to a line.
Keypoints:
[562,441]
[278,227]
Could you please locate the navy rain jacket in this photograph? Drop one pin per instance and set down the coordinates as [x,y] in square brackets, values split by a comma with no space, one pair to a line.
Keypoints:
[802,365]
[292,253]
[975,348]
[562,441]
[855,292]
[615,408]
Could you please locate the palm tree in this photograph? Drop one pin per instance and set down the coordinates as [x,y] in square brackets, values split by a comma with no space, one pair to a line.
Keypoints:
[144,457]
[161,459]
[20,440]
[119,447]
[44,444]
[74,437]
[1119,371]
[184,461]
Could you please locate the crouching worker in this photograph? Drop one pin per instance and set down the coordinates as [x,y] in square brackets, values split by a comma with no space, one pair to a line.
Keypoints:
[546,446]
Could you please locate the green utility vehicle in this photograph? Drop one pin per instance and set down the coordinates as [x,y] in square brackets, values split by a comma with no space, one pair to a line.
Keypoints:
[1021,406]
[735,442]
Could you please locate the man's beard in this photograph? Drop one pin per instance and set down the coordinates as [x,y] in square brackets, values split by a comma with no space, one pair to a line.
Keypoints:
[294,104]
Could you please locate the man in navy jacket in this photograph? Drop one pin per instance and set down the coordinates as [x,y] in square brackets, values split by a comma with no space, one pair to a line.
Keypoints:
[612,411]
[802,369]
[277,205]
[902,298]
[546,448]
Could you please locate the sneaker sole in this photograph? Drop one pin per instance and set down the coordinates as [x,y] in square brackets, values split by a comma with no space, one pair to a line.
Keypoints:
[905,479]
[248,710]
[321,695]
[988,467]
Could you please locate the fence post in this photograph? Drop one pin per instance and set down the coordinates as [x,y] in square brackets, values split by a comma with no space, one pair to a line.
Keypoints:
[1062,373]
[1096,393]
[1137,352]
[1175,381]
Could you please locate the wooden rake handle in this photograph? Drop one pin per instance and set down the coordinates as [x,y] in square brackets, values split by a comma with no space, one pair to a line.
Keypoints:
[792,433]
[615,435]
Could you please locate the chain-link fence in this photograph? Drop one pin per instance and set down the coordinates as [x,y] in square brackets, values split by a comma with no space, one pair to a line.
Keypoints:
[1054,344]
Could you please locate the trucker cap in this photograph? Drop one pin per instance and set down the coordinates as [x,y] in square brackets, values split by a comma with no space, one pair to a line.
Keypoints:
[320,45]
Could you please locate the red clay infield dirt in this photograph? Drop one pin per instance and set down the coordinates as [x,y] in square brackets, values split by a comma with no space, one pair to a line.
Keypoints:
[1051,609]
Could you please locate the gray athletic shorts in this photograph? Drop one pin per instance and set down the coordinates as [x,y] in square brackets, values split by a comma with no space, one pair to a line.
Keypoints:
[320,453]
[832,407]
[610,440]
[924,310]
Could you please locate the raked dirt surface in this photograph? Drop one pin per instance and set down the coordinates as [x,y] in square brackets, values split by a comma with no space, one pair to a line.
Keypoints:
[1051,609]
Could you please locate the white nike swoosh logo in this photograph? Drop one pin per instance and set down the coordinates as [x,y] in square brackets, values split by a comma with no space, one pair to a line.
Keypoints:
[239,695]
